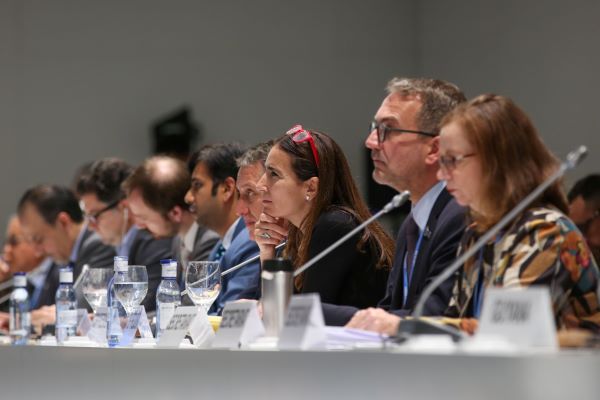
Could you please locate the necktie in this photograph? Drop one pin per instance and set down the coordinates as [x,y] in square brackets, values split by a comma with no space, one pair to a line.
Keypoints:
[219,253]
[412,235]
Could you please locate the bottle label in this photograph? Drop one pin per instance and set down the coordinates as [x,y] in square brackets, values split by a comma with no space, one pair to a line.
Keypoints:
[66,276]
[121,264]
[66,318]
[169,270]
[20,281]
[166,311]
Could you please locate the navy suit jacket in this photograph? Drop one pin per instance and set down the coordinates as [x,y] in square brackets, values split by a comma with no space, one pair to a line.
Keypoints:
[245,282]
[148,251]
[443,232]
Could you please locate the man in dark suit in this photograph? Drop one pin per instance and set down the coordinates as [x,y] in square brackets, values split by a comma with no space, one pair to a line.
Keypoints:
[214,196]
[52,219]
[108,214]
[155,194]
[404,148]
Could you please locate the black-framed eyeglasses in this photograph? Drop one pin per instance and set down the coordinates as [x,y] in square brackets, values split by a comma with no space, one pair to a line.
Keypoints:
[585,226]
[93,218]
[382,131]
[449,163]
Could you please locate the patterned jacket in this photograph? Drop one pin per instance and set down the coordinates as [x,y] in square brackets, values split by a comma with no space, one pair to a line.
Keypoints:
[543,247]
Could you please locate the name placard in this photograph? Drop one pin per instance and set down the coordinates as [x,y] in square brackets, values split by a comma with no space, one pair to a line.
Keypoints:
[84,323]
[521,316]
[201,330]
[178,326]
[97,332]
[136,320]
[240,325]
[304,327]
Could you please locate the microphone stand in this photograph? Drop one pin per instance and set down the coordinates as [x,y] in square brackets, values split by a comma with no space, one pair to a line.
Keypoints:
[417,325]
[396,202]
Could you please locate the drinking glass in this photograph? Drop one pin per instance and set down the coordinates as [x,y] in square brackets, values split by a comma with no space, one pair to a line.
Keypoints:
[131,286]
[95,286]
[203,282]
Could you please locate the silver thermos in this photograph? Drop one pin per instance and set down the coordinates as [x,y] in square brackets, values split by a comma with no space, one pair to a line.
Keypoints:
[277,287]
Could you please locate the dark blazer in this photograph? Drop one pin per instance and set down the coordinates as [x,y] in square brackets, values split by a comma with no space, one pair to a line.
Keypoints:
[245,282]
[148,251]
[48,294]
[444,229]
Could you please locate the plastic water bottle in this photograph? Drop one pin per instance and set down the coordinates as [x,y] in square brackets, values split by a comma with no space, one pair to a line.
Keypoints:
[115,309]
[20,320]
[66,307]
[168,295]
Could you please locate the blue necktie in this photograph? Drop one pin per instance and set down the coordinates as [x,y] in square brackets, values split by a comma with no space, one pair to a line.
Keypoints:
[219,253]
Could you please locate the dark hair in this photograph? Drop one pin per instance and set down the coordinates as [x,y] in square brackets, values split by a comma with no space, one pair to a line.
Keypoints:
[104,179]
[163,182]
[514,158]
[51,200]
[220,161]
[437,98]
[589,189]
[337,189]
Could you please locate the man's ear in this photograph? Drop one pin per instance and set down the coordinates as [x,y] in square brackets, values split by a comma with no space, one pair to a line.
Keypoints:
[63,220]
[228,188]
[175,214]
[433,151]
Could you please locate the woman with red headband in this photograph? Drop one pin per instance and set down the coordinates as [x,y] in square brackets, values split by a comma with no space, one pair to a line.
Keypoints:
[308,187]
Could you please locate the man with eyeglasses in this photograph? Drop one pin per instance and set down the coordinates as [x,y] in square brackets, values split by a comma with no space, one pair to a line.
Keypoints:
[108,214]
[405,151]
[584,210]
[52,218]
[213,196]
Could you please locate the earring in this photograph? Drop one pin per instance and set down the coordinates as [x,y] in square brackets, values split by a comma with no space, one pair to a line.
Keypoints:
[307,198]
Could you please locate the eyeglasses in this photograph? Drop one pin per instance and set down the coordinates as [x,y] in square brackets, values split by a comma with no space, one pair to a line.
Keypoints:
[383,130]
[299,135]
[449,163]
[585,226]
[93,218]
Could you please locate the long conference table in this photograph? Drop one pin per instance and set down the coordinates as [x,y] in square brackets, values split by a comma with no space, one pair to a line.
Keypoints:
[40,372]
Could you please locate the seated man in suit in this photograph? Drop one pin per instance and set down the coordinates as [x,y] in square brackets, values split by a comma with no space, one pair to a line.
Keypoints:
[52,219]
[405,149]
[108,214]
[584,210]
[155,194]
[214,198]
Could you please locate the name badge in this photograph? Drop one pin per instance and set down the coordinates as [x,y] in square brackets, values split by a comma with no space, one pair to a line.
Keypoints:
[523,317]
[240,325]
[304,326]
[178,326]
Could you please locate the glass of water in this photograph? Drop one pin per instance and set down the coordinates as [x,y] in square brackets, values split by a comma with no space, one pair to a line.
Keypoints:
[95,286]
[203,282]
[131,286]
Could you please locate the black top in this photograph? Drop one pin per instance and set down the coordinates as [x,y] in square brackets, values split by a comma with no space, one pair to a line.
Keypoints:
[346,276]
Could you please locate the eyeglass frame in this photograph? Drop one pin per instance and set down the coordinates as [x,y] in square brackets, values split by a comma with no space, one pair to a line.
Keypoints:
[449,163]
[93,218]
[382,136]
[297,130]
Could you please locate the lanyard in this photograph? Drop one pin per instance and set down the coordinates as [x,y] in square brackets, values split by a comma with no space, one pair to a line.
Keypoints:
[406,276]
[479,289]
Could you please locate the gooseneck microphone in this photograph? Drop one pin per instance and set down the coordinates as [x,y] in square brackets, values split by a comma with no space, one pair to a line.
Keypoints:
[396,202]
[417,325]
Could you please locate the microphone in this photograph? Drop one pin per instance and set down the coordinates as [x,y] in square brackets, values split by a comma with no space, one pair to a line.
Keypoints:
[81,274]
[417,325]
[396,202]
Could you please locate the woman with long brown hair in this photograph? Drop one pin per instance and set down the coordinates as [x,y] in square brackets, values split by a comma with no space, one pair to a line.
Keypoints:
[310,198]
[491,158]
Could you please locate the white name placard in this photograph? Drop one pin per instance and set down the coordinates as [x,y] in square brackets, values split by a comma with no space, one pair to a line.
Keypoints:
[523,317]
[201,330]
[304,327]
[97,332]
[240,325]
[137,320]
[178,326]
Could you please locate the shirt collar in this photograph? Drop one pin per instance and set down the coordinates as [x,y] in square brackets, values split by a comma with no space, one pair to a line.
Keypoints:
[228,238]
[189,239]
[37,276]
[422,209]
[125,246]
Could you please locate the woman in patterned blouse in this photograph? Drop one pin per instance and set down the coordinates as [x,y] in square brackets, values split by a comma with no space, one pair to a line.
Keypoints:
[491,158]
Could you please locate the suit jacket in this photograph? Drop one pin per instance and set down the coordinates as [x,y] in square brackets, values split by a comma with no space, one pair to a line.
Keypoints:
[443,231]
[48,294]
[245,282]
[148,251]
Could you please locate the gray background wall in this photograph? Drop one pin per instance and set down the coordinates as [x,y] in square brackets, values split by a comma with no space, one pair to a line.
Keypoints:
[80,80]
